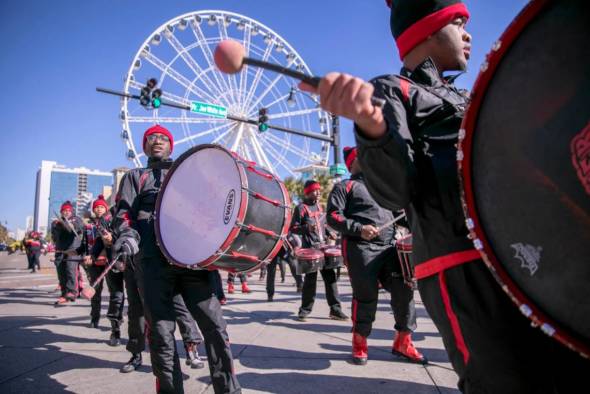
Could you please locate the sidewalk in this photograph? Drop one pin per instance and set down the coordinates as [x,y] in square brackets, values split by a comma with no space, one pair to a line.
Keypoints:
[44,349]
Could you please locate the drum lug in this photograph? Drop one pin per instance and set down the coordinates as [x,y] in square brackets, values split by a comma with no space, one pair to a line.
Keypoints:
[526,310]
[478,244]
[548,329]
[497,45]
[470,224]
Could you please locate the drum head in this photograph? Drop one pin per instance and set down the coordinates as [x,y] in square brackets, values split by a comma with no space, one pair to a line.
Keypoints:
[333,252]
[526,166]
[308,254]
[198,204]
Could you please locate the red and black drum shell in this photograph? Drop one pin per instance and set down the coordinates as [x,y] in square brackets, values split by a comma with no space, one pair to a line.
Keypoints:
[525,167]
[332,258]
[262,214]
[308,260]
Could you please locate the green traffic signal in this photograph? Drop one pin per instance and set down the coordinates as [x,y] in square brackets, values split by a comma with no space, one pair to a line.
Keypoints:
[156,102]
[262,127]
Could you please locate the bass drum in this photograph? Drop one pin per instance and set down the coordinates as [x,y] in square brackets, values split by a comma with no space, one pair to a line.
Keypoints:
[525,167]
[218,211]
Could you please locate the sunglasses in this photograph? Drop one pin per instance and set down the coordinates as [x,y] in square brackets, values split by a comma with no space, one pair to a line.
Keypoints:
[153,137]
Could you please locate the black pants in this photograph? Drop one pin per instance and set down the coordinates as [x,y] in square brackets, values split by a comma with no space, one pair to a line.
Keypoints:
[160,282]
[34,262]
[136,320]
[67,273]
[216,284]
[309,290]
[231,277]
[492,346]
[369,264]
[271,271]
[116,294]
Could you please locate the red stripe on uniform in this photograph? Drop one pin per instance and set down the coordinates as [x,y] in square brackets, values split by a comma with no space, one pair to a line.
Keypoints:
[405,87]
[438,264]
[459,340]
[337,217]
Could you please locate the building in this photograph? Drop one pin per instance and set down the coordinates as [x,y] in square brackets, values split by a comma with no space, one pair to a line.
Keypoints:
[57,184]
[29,223]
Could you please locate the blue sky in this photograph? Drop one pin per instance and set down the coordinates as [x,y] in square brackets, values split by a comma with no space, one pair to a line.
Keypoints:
[54,54]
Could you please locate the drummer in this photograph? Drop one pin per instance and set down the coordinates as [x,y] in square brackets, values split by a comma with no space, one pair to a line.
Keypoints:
[408,153]
[310,223]
[367,245]
[159,281]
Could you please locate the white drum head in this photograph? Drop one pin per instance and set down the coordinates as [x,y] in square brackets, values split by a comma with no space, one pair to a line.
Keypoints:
[199,205]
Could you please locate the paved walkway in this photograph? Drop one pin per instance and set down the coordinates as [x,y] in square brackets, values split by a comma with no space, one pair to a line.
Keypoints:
[44,349]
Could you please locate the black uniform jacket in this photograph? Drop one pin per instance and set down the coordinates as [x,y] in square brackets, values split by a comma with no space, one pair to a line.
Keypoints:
[351,206]
[414,165]
[136,205]
[64,239]
[306,215]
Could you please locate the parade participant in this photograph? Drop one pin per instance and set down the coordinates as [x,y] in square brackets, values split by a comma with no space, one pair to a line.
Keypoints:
[159,281]
[189,332]
[367,246]
[98,242]
[33,245]
[66,232]
[309,222]
[231,277]
[408,153]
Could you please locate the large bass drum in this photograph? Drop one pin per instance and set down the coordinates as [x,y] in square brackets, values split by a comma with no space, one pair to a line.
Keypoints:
[216,210]
[524,160]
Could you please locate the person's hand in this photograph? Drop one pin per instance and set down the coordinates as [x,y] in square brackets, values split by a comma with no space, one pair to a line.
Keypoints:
[126,246]
[87,261]
[368,232]
[348,96]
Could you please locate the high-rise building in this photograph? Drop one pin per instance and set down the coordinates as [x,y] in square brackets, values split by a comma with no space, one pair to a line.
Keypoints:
[57,184]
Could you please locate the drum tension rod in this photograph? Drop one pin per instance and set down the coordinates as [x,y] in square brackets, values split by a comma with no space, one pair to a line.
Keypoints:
[252,228]
[259,196]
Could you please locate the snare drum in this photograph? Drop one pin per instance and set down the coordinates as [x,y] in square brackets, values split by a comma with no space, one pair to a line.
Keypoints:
[218,211]
[332,258]
[404,250]
[308,260]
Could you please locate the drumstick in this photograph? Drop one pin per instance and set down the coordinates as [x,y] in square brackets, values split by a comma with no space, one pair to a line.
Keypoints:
[88,292]
[230,57]
[393,221]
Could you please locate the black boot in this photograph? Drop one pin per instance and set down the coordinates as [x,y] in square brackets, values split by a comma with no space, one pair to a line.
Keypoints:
[93,323]
[133,363]
[192,356]
[115,339]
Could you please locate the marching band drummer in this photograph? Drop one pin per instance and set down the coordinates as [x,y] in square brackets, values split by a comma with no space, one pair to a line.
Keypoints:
[371,259]
[66,232]
[309,222]
[98,242]
[159,281]
[408,152]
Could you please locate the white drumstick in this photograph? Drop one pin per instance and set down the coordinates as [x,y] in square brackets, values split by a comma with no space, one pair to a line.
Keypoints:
[393,221]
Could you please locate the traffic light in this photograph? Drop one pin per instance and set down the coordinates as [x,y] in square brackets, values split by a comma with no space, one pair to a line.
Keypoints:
[149,96]
[262,119]
[156,100]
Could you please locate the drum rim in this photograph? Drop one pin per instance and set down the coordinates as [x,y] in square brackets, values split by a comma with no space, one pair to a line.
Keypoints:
[231,235]
[464,160]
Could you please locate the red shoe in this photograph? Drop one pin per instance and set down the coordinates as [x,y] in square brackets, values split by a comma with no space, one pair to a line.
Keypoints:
[403,347]
[71,297]
[245,288]
[61,301]
[230,288]
[360,349]
[223,301]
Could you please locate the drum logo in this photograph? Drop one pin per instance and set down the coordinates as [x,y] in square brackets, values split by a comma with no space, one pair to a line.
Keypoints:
[528,255]
[229,206]
[580,147]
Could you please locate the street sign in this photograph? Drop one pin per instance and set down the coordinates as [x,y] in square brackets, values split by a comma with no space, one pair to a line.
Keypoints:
[216,111]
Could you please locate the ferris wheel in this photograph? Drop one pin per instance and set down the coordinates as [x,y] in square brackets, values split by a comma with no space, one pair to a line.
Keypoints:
[179,54]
